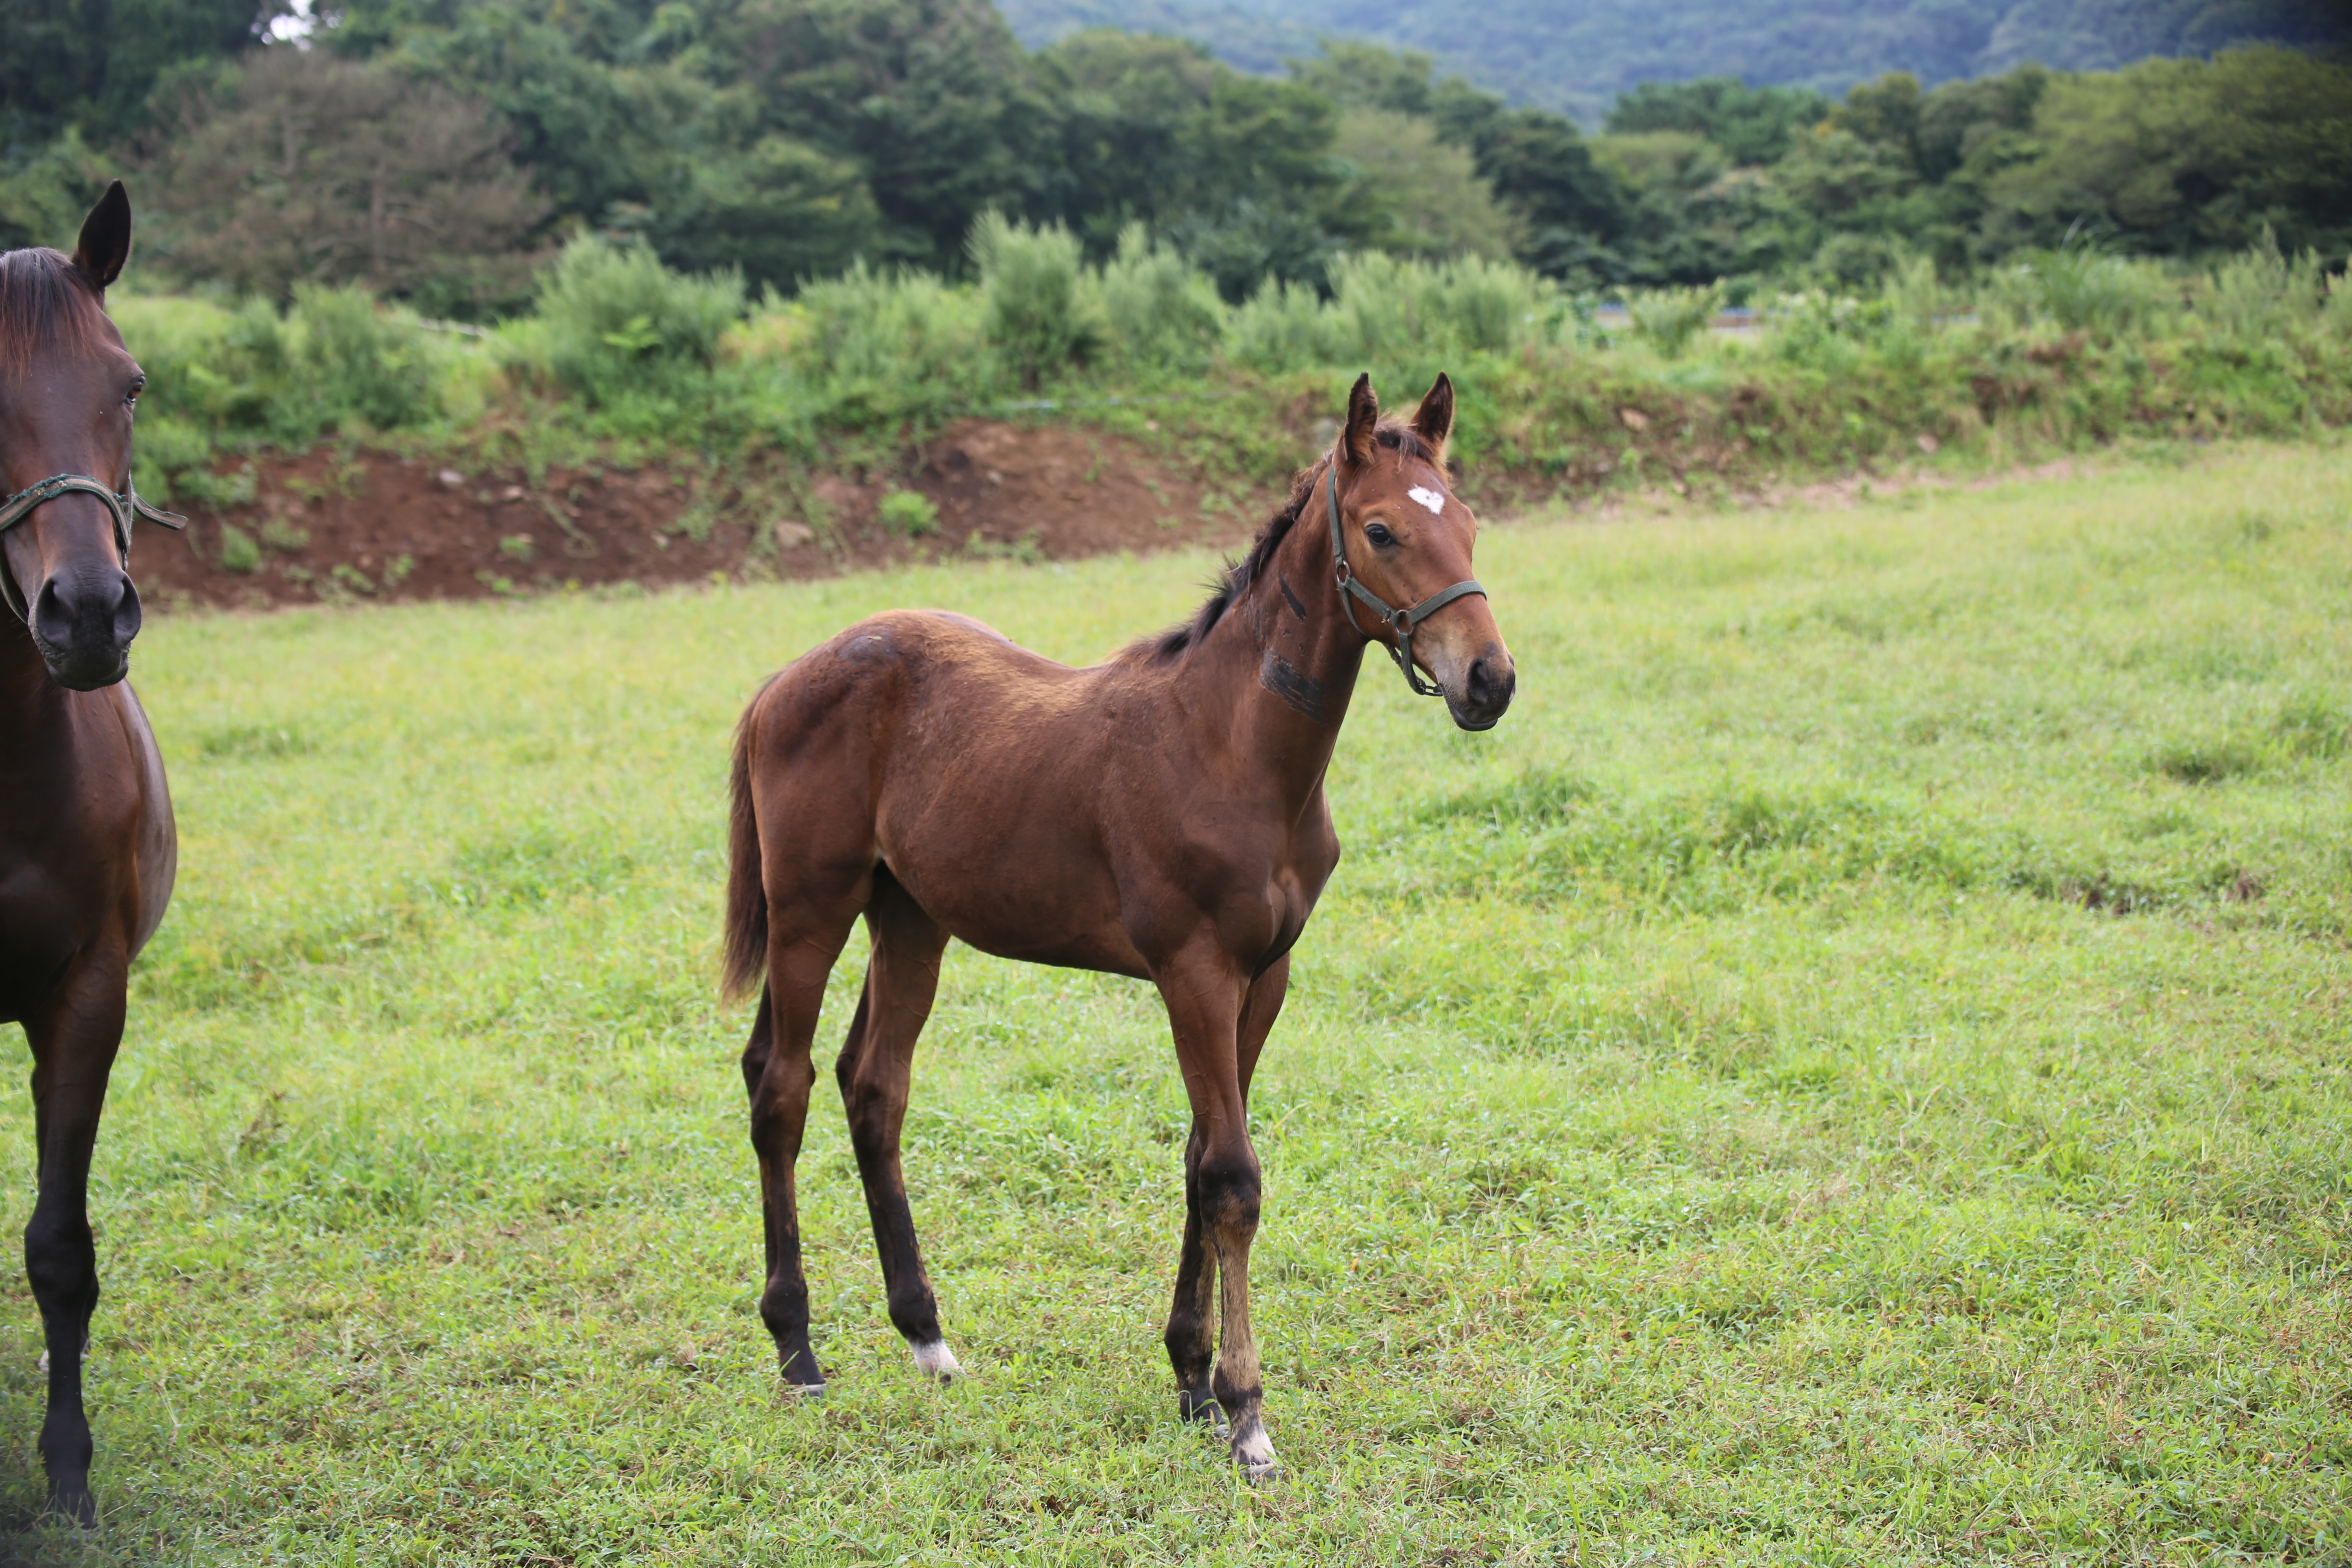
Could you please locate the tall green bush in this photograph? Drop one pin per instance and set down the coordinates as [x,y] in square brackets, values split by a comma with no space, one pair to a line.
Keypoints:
[613,324]
[1162,312]
[887,347]
[1039,315]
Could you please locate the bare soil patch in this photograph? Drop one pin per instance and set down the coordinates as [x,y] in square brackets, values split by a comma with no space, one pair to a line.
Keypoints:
[338,526]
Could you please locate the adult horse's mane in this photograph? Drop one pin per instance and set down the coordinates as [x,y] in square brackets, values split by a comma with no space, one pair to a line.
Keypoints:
[1167,647]
[47,304]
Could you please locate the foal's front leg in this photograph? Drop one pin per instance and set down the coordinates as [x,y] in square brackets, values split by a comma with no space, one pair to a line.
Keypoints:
[1205,1008]
[74,1042]
[1191,1319]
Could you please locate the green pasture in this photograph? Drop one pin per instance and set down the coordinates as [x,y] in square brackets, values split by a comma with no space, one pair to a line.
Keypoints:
[1853,1071]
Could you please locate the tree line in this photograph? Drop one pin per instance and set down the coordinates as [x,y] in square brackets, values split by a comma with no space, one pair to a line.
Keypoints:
[438,150]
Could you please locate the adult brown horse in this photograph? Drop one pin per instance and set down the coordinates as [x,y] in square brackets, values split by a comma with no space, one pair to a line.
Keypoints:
[87,844]
[1160,816]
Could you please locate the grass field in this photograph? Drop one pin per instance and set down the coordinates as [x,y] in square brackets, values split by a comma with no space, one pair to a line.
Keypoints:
[1853,1071]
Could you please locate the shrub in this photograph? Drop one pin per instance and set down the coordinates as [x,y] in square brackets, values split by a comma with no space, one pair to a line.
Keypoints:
[355,362]
[1671,318]
[1037,314]
[910,514]
[1161,311]
[890,346]
[238,553]
[614,322]
[1279,328]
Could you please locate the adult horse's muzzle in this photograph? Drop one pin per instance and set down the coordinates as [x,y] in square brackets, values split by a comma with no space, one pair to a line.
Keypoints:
[83,611]
[82,622]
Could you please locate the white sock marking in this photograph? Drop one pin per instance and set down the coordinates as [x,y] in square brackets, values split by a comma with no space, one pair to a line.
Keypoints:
[935,1360]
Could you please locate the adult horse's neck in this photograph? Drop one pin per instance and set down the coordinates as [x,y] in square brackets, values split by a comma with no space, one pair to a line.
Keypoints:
[1283,660]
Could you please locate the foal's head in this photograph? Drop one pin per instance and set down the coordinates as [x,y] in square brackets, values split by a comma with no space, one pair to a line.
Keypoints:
[67,389]
[1408,537]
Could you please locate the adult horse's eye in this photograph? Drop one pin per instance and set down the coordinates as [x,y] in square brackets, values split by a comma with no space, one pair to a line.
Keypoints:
[130,398]
[1378,535]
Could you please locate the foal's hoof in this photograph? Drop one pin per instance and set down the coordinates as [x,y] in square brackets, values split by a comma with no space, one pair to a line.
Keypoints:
[938,1362]
[1253,1454]
[1200,1405]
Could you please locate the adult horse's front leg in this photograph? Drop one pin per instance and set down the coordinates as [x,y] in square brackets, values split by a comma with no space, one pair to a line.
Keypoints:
[1205,1004]
[74,1040]
[1190,1321]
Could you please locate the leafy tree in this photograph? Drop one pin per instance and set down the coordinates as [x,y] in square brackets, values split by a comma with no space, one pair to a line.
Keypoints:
[933,99]
[1751,124]
[1427,192]
[2186,155]
[1236,170]
[778,212]
[92,64]
[316,169]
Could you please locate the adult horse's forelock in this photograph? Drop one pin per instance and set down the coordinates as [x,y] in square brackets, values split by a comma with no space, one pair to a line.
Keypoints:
[47,306]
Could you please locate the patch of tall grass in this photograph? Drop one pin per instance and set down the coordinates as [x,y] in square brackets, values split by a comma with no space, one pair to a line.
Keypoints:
[2056,349]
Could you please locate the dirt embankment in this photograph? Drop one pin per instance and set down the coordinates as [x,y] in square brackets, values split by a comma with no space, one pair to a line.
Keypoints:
[337,527]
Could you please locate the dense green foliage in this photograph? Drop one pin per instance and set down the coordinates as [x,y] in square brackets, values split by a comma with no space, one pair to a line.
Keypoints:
[436,150]
[1851,1071]
[2057,349]
[1576,60]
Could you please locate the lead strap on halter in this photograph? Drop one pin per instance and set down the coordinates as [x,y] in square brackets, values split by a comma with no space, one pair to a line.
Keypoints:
[1400,622]
[122,505]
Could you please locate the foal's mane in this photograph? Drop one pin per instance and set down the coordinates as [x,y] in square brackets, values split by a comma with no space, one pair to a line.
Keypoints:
[47,304]
[1168,647]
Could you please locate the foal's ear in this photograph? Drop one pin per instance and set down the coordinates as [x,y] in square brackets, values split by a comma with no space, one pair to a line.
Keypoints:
[105,243]
[1433,420]
[1363,414]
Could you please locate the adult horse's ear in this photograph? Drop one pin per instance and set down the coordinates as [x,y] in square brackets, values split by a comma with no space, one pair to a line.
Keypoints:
[1433,420]
[105,243]
[1364,415]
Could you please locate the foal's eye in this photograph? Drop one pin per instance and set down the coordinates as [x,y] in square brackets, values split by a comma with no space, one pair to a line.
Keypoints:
[1377,534]
[130,398]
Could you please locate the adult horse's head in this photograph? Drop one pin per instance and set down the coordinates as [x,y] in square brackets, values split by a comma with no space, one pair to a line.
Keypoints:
[67,390]
[1402,540]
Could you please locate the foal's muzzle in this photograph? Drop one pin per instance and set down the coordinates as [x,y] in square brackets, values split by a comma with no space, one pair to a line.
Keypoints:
[82,621]
[1485,692]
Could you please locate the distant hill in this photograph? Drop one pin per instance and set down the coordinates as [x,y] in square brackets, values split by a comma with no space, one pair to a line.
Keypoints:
[1575,55]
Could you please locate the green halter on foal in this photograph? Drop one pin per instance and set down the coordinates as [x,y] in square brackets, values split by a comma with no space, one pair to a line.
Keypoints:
[123,506]
[1400,622]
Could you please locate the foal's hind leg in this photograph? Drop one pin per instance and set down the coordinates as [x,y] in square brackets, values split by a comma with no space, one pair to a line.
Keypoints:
[73,1044]
[776,1071]
[876,1064]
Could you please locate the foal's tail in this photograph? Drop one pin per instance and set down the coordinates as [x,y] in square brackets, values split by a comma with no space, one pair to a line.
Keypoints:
[747,899]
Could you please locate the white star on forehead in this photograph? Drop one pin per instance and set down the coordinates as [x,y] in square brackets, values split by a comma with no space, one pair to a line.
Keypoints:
[1429,499]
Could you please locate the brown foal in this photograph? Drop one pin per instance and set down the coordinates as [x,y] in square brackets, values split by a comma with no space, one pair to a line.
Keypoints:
[87,844]
[1160,814]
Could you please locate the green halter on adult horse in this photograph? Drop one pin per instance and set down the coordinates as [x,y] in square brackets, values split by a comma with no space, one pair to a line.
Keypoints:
[87,844]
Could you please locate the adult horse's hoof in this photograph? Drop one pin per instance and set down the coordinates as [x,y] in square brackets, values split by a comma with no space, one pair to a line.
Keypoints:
[803,1393]
[938,1362]
[77,1507]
